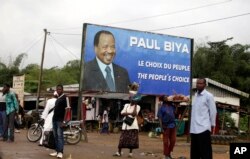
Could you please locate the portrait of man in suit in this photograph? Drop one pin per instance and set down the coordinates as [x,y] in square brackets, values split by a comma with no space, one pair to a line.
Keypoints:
[101,73]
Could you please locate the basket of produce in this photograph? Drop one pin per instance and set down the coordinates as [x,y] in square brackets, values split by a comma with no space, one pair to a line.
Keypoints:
[176,98]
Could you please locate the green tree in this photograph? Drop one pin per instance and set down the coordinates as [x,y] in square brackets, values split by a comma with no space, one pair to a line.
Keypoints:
[73,70]
[69,74]
[229,65]
[12,68]
[243,125]
[226,64]
[214,61]
[31,72]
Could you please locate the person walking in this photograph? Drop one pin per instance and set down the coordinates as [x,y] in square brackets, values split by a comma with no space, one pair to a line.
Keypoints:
[57,121]
[203,117]
[130,133]
[11,109]
[2,114]
[105,121]
[166,115]
[18,117]
[47,115]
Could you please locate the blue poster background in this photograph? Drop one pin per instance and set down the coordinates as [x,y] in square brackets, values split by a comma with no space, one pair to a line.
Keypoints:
[161,64]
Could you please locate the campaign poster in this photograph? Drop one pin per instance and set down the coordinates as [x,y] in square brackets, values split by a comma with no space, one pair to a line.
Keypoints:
[161,64]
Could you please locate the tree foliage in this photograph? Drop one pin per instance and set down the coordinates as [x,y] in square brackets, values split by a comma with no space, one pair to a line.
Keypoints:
[69,74]
[31,72]
[12,68]
[227,64]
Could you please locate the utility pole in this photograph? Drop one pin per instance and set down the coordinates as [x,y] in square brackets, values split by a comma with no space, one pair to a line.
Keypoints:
[41,71]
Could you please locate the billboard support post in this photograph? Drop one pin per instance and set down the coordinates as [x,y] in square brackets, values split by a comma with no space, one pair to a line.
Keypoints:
[79,104]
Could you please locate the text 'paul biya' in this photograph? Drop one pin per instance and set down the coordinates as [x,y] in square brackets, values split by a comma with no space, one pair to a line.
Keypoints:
[168,46]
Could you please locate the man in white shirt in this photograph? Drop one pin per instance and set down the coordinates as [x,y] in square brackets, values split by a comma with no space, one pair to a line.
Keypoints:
[47,115]
[203,119]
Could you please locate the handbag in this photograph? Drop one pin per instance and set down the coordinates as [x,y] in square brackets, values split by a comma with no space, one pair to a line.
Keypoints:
[68,112]
[49,140]
[128,120]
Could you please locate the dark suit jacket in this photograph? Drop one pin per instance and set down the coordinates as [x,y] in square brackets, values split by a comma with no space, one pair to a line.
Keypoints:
[94,80]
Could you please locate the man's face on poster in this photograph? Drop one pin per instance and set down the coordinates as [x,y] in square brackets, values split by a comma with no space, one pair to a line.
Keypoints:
[105,50]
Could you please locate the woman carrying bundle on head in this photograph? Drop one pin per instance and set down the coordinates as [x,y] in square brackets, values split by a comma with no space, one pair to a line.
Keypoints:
[166,115]
[130,130]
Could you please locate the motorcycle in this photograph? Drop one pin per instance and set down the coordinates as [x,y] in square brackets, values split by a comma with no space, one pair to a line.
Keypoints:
[72,132]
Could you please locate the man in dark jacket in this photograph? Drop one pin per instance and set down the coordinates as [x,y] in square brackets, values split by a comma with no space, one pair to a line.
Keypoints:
[101,73]
[59,113]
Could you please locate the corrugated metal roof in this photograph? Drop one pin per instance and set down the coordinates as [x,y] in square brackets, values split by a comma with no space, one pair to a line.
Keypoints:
[67,88]
[223,86]
[75,88]
[25,93]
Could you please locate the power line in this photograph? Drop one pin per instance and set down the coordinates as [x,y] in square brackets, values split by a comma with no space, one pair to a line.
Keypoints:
[154,16]
[170,13]
[198,23]
[34,43]
[52,43]
[64,47]
[186,25]
[192,24]
[30,47]
[28,44]
[70,28]
[66,34]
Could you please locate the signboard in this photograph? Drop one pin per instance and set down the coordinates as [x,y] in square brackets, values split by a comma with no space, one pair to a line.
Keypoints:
[161,64]
[18,86]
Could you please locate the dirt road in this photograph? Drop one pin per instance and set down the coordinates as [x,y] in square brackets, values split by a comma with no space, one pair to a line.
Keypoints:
[100,147]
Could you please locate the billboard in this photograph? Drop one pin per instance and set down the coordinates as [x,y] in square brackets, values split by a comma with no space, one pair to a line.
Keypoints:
[161,64]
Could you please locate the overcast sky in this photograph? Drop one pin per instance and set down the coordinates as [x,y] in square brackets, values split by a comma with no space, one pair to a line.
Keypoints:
[23,21]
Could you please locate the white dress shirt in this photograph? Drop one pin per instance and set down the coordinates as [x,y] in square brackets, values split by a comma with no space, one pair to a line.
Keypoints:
[203,114]
[105,118]
[103,66]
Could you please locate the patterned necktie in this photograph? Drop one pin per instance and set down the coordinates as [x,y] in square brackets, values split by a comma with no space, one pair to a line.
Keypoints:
[109,79]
